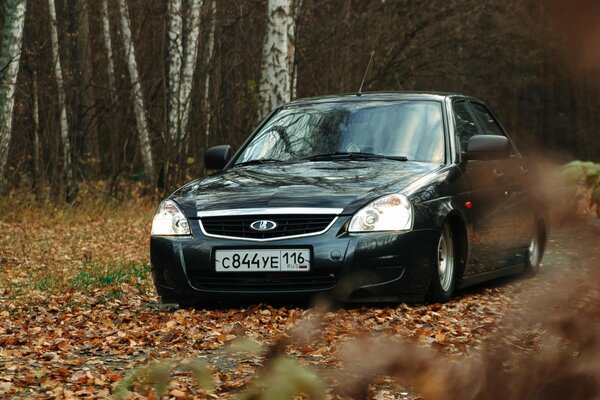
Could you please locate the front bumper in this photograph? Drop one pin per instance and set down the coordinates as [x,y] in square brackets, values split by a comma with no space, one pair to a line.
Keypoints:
[383,266]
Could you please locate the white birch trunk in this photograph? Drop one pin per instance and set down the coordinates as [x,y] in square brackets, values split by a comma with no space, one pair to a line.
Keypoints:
[106,36]
[209,57]
[189,67]
[138,100]
[275,83]
[174,54]
[64,123]
[10,56]
[182,49]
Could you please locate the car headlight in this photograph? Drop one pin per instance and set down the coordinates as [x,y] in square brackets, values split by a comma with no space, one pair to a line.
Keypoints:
[388,213]
[169,220]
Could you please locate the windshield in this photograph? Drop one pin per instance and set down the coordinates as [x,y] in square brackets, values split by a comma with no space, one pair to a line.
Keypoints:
[410,130]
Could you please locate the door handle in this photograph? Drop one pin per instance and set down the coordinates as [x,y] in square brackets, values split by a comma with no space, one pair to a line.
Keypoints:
[498,173]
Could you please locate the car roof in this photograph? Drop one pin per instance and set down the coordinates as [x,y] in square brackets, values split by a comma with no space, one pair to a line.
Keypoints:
[377,96]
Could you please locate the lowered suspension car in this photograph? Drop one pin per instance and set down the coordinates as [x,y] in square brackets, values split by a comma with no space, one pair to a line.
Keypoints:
[381,196]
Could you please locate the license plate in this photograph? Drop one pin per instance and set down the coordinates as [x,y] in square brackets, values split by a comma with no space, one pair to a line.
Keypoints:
[262,260]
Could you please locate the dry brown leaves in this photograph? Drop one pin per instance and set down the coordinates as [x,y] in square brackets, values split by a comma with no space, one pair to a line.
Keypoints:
[69,330]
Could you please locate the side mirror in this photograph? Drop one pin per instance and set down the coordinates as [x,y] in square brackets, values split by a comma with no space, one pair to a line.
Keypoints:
[217,157]
[487,147]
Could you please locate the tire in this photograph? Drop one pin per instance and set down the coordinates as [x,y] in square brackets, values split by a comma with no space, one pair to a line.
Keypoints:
[445,268]
[535,251]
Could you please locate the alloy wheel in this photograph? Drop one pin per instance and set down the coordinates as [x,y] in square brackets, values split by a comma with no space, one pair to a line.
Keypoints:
[446,259]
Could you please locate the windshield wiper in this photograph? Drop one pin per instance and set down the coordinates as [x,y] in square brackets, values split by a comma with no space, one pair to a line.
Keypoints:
[257,161]
[353,155]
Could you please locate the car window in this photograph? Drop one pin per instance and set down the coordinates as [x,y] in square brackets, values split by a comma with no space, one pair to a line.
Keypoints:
[489,124]
[412,129]
[465,124]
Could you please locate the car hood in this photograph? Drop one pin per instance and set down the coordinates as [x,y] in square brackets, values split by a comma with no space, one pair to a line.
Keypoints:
[336,184]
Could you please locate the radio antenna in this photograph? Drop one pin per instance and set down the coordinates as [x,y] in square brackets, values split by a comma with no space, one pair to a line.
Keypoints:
[365,75]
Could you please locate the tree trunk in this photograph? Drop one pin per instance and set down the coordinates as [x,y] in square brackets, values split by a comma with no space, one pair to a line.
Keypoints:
[192,36]
[138,99]
[293,39]
[275,83]
[106,36]
[10,56]
[182,49]
[174,54]
[183,33]
[83,104]
[71,188]
[35,113]
[112,123]
[209,57]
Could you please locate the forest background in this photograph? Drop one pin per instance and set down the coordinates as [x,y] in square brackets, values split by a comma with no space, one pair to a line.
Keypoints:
[125,91]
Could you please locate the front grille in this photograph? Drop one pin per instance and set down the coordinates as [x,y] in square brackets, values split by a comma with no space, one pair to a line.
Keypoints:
[263,281]
[287,225]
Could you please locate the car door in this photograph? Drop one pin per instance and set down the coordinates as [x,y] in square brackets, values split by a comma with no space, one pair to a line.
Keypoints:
[486,181]
[517,209]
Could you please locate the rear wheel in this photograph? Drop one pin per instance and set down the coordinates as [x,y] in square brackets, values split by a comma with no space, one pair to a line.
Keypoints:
[536,249]
[444,269]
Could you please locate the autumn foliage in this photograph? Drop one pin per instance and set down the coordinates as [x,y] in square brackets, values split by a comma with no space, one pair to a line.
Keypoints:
[80,318]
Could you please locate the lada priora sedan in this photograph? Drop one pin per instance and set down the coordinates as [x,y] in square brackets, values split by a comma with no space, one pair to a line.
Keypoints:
[381,196]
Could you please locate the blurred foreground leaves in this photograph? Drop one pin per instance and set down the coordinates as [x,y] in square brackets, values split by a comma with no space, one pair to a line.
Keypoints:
[581,181]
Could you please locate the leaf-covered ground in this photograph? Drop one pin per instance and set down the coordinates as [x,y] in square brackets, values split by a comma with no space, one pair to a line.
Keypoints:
[78,312]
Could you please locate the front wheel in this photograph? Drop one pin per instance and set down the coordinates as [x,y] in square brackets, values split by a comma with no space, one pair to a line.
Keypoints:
[444,269]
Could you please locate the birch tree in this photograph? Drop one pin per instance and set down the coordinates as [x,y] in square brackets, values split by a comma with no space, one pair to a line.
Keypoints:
[277,57]
[174,53]
[106,37]
[182,47]
[10,56]
[189,64]
[138,99]
[71,189]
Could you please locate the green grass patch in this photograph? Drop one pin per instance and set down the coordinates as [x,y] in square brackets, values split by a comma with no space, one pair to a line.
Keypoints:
[90,276]
[97,274]
[46,283]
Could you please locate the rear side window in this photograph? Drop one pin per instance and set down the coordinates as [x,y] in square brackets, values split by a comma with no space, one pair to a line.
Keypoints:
[465,124]
[489,124]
